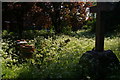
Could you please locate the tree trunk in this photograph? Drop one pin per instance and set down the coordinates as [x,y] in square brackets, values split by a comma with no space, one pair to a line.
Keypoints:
[56,17]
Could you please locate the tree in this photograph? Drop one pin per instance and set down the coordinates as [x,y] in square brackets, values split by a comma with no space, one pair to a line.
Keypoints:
[46,14]
[17,11]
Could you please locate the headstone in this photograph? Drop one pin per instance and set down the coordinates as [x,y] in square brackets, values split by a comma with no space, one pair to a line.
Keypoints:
[24,50]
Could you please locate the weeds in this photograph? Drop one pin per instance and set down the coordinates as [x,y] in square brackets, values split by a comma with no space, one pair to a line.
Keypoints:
[53,57]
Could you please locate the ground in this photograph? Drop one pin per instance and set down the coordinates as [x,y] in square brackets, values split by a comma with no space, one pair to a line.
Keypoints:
[53,56]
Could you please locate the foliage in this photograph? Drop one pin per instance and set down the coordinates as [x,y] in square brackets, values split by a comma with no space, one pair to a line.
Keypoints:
[45,14]
[31,34]
[90,25]
[112,19]
[54,57]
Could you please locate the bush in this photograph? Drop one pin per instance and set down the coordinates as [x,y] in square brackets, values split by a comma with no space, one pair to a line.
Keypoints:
[90,25]
[31,34]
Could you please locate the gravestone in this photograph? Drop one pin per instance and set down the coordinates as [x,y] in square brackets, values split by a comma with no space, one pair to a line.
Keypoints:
[24,50]
[98,63]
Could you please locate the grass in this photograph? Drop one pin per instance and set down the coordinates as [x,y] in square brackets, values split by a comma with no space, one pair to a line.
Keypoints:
[54,58]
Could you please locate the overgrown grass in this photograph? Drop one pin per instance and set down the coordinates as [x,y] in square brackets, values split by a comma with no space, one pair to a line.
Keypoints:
[54,57]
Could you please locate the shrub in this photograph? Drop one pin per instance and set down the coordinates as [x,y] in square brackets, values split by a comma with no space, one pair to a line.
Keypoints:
[90,25]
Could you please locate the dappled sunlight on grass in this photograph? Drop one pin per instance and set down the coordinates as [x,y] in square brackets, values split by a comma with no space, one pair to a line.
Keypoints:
[114,45]
[55,56]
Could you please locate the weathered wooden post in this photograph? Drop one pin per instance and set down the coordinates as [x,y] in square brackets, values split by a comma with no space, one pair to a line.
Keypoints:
[99,43]
[99,9]
[98,63]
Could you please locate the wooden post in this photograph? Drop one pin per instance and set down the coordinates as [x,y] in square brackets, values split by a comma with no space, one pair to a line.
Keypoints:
[99,43]
[99,9]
